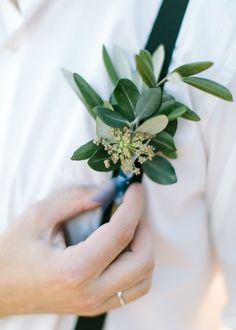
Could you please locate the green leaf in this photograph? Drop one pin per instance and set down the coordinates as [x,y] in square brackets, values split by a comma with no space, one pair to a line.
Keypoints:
[172,127]
[170,154]
[154,125]
[85,151]
[124,113]
[137,80]
[90,96]
[112,100]
[70,80]
[191,69]
[147,57]
[174,77]
[126,95]
[189,114]
[210,87]
[108,105]
[96,162]
[109,66]
[148,103]
[177,112]
[160,170]
[158,60]
[164,142]
[122,63]
[167,107]
[111,118]
[102,129]
[145,71]
[167,97]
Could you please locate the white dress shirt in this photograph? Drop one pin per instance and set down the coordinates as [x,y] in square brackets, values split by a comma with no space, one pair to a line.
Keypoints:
[42,122]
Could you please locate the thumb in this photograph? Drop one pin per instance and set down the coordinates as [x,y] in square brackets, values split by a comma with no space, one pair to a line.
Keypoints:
[63,205]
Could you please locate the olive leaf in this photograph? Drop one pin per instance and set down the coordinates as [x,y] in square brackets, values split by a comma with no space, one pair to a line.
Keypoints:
[160,170]
[169,154]
[158,58]
[137,80]
[108,105]
[145,69]
[189,114]
[148,103]
[122,63]
[102,129]
[164,142]
[124,113]
[210,87]
[167,107]
[96,162]
[126,95]
[167,97]
[112,99]
[111,118]
[174,77]
[172,127]
[177,112]
[147,57]
[68,75]
[109,66]
[90,96]
[85,151]
[153,125]
[191,69]
[70,80]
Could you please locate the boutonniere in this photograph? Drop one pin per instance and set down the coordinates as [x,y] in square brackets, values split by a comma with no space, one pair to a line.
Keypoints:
[135,128]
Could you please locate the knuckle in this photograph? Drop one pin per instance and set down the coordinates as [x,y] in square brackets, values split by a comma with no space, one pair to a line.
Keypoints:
[85,304]
[125,234]
[73,279]
[76,273]
[90,303]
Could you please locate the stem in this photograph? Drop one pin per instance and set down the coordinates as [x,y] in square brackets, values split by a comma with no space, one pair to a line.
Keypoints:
[161,82]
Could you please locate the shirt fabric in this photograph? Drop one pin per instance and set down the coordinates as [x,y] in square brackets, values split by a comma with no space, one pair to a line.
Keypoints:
[42,122]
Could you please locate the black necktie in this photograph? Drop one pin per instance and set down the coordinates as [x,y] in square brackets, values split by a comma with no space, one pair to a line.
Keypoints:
[165,31]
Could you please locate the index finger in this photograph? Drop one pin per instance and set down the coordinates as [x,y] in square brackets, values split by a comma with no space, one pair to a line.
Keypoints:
[109,240]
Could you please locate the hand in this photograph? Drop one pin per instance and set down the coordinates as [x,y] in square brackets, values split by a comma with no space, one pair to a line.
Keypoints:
[40,275]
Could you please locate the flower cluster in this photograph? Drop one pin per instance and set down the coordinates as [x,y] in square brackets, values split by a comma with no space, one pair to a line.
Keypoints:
[127,147]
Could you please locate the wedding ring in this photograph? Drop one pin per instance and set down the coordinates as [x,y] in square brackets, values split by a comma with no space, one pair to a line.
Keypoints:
[120,296]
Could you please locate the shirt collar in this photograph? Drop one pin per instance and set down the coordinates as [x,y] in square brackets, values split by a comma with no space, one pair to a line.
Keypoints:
[15,3]
[14,18]
[25,6]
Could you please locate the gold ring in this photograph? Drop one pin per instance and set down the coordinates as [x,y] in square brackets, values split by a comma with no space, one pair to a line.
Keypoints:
[120,296]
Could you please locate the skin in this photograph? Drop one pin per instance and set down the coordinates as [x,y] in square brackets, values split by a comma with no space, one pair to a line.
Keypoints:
[38,274]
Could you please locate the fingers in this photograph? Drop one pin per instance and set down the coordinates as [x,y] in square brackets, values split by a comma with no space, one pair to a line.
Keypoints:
[129,295]
[108,241]
[143,241]
[130,267]
[60,206]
